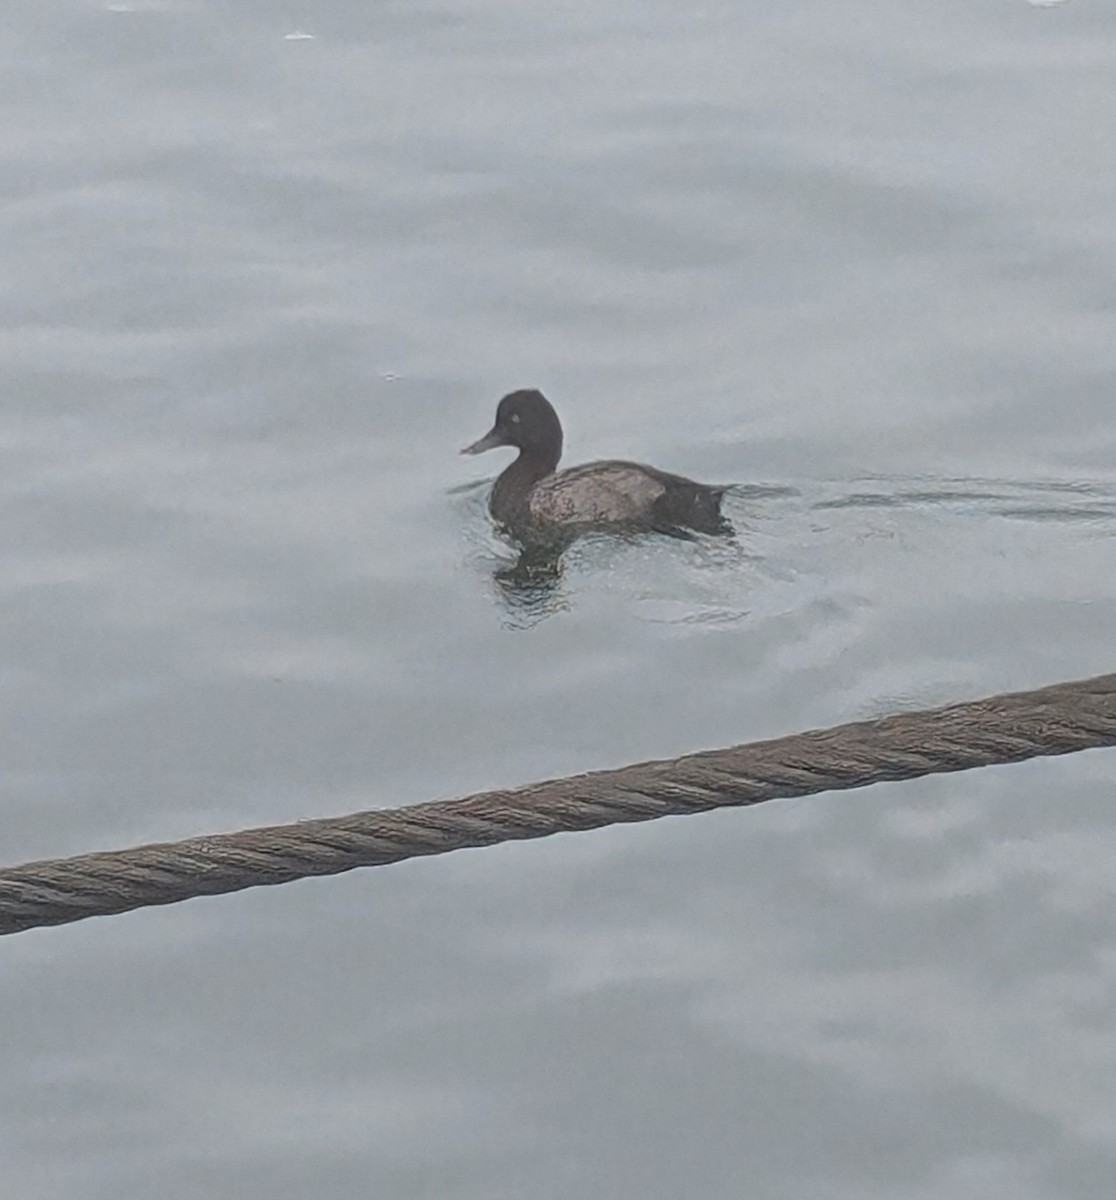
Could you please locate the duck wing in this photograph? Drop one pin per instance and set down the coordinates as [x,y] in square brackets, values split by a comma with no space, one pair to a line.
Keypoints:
[600,493]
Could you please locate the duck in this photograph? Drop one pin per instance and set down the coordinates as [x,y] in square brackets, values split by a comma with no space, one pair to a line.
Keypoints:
[535,502]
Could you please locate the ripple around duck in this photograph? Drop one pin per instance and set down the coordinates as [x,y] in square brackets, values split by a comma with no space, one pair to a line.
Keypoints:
[1076,501]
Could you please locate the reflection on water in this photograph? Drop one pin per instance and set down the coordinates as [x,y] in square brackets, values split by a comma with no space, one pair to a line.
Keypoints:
[530,589]
[533,586]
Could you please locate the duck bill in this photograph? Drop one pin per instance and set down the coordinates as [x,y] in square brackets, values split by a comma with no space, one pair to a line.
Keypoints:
[490,441]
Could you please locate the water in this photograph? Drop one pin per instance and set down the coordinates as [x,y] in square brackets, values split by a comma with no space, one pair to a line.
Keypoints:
[259,290]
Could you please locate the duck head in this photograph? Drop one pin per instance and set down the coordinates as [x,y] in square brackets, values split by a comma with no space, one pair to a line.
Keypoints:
[527,420]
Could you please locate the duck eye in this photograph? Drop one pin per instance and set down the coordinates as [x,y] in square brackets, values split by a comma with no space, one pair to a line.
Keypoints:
[515,418]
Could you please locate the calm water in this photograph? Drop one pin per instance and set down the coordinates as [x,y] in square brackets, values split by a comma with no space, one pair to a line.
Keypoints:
[258,290]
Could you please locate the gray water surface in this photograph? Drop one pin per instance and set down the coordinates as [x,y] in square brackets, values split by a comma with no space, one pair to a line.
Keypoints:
[859,261]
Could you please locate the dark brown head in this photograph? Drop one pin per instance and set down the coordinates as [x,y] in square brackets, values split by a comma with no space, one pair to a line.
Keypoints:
[526,420]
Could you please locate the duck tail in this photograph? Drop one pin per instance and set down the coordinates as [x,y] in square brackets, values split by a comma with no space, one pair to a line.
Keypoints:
[705,510]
